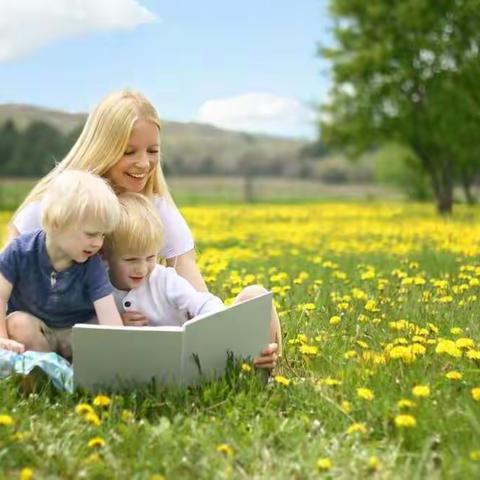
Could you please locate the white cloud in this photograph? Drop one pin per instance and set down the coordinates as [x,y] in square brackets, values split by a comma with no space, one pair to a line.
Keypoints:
[26,25]
[259,112]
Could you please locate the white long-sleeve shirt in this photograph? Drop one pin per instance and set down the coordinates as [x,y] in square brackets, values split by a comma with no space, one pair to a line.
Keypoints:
[167,299]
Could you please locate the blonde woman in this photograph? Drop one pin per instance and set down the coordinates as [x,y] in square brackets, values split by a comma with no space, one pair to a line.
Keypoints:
[121,143]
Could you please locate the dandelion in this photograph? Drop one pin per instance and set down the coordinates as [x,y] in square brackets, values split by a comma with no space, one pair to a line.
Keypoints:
[373,463]
[357,428]
[405,403]
[464,342]
[456,331]
[127,416]
[346,407]
[96,442]
[226,449]
[84,408]
[331,382]
[309,350]
[475,393]
[246,367]
[405,421]
[101,401]
[157,476]
[475,455]
[365,394]
[324,464]
[6,421]
[26,473]
[282,380]
[335,320]
[92,418]
[453,375]
[473,354]
[448,347]
[421,391]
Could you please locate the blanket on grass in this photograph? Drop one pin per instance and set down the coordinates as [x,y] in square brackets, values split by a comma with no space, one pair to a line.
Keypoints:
[55,367]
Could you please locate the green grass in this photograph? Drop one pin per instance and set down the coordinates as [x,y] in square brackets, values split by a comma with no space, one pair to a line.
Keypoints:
[277,431]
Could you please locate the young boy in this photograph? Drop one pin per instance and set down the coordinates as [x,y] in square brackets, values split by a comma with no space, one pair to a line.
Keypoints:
[156,292]
[140,283]
[51,279]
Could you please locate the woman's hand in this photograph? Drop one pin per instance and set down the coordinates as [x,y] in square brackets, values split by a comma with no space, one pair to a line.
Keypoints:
[269,357]
[12,345]
[134,319]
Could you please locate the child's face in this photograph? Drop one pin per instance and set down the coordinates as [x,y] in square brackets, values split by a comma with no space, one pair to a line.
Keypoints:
[79,243]
[131,172]
[130,271]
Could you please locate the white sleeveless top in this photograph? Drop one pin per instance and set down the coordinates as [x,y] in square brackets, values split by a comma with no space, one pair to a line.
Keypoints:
[177,236]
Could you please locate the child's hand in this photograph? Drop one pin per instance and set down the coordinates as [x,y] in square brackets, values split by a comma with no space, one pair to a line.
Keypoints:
[134,319]
[269,357]
[12,345]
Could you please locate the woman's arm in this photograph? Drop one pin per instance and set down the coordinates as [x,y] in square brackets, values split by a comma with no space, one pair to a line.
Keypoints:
[12,233]
[186,266]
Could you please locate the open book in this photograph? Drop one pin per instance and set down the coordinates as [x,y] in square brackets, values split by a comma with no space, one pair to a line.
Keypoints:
[112,358]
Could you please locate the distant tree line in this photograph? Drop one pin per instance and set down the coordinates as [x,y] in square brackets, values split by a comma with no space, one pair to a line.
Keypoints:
[33,151]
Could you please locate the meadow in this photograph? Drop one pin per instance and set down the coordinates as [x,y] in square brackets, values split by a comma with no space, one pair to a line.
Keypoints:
[379,305]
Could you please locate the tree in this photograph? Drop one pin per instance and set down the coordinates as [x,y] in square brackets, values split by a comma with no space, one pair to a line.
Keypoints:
[8,141]
[396,68]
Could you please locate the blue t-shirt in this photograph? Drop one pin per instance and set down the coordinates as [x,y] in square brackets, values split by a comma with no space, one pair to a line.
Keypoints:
[60,299]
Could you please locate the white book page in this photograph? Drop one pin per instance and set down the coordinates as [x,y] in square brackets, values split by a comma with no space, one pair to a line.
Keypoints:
[242,329]
[123,357]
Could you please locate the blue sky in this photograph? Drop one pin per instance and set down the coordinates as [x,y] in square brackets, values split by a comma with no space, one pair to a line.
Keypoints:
[246,65]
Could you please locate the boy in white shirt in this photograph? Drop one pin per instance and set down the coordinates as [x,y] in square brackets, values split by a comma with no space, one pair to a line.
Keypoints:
[142,285]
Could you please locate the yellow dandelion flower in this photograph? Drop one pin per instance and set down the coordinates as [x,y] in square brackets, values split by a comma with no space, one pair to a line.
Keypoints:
[357,428]
[421,391]
[456,331]
[96,442]
[373,463]
[475,393]
[226,449]
[365,394]
[448,347]
[473,354]
[453,375]
[465,342]
[324,464]
[475,455]
[335,320]
[405,421]
[84,408]
[405,403]
[246,367]
[6,421]
[308,349]
[350,354]
[157,476]
[282,380]
[26,473]
[127,416]
[331,382]
[101,401]
[92,418]
[346,407]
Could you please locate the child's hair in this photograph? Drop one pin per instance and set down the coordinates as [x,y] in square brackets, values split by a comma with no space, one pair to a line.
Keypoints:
[103,141]
[75,197]
[139,230]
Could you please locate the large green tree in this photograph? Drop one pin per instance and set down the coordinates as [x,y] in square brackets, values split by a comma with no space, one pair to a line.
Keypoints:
[403,71]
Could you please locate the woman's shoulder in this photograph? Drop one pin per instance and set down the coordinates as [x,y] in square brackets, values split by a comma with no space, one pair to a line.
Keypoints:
[28,218]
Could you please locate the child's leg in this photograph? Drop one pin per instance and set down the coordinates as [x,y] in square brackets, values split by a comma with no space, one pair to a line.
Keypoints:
[253,291]
[27,329]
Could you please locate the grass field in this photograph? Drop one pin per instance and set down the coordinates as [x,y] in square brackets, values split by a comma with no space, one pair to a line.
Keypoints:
[380,377]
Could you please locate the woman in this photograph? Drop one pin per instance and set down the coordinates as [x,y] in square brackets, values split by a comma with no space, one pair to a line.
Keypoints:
[121,142]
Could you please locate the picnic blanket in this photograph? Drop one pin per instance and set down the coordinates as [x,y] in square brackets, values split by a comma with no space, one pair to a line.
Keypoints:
[52,365]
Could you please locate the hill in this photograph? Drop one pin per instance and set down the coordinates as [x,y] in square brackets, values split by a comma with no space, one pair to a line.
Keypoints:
[188,148]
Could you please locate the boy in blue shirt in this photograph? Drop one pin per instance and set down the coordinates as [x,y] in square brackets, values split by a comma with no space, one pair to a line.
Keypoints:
[52,278]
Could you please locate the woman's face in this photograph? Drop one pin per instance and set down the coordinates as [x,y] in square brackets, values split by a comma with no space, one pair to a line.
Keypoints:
[131,172]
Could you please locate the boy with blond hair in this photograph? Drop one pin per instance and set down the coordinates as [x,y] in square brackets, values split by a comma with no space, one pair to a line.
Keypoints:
[140,283]
[51,279]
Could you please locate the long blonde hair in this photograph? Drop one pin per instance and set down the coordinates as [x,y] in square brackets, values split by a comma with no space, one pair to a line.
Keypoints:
[103,141]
